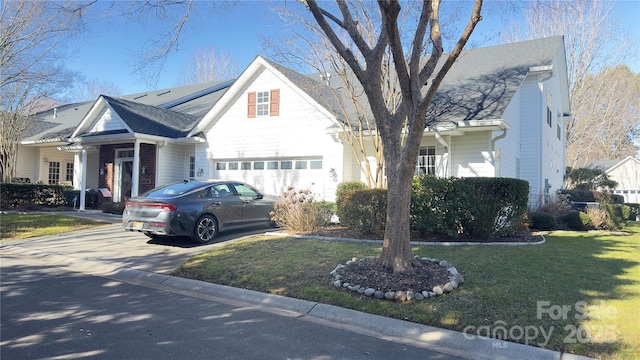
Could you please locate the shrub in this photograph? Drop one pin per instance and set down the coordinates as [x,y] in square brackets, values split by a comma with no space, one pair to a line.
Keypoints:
[577,220]
[617,215]
[634,211]
[364,210]
[344,189]
[558,206]
[496,205]
[541,220]
[437,205]
[598,218]
[299,211]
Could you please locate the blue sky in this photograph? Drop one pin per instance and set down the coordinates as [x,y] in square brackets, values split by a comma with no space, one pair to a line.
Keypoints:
[110,48]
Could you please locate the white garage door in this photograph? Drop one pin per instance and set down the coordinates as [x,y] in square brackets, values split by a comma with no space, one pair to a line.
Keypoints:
[274,176]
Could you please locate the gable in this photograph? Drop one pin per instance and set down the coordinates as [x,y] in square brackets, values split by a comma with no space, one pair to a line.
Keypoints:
[108,121]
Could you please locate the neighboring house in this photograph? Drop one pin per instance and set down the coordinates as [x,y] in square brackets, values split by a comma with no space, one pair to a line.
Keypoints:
[626,173]
[499,113]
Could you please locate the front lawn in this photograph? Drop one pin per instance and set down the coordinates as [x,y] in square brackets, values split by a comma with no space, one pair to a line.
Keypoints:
[579,292]
[21,226]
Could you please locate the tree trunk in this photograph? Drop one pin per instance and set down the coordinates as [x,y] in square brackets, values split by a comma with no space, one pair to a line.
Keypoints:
[396,252]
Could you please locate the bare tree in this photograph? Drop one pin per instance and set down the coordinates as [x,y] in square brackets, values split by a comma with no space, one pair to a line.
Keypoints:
[594,39]
[419,74]
[208,65]
[31,38]
[608,109]
[91,89]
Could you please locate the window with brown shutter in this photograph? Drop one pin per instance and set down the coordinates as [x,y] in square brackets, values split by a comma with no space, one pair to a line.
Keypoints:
[274,104]
[251,107]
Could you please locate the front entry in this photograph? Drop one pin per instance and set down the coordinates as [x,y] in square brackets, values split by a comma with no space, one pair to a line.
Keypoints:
[123,179]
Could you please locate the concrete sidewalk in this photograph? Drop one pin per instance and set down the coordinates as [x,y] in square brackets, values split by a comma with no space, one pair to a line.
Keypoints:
[440,340]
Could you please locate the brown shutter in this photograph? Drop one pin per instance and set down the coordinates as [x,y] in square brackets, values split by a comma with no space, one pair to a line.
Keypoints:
[274,105]
[251,107]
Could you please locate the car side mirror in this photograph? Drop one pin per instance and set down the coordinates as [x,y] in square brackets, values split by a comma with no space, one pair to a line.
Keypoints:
[259,196]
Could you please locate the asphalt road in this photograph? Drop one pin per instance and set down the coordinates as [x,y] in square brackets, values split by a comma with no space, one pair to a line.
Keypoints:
[48,313]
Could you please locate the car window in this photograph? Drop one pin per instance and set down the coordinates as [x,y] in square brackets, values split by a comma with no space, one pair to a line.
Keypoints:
[172,190]
[221,190]
[245,190]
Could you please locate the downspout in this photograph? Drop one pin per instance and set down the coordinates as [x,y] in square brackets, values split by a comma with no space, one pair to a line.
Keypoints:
[496,159]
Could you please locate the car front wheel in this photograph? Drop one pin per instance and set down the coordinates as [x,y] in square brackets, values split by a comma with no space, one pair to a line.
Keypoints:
[206,229]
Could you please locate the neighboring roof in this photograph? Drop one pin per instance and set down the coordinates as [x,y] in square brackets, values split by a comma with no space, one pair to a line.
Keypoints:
[608,165]
[55,124]
[192,100]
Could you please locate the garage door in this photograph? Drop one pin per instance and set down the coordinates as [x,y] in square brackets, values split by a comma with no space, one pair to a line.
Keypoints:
[274,176]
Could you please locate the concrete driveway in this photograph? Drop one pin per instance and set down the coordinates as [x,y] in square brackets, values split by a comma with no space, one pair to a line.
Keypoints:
[109,244]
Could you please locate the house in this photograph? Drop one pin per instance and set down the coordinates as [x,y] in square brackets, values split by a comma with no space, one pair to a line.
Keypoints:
[626,173]
[500,112]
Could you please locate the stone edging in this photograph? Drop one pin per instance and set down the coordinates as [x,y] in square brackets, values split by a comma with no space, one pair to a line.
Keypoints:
[440,243]
[455,279]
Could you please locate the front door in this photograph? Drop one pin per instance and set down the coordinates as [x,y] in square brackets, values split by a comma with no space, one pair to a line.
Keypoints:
[123,179]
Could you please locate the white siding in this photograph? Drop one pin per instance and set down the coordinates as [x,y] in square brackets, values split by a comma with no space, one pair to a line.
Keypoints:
[472,155]
[27,163]
[298,132]
[530,134]
[108,120]
[508,148]
[171,164]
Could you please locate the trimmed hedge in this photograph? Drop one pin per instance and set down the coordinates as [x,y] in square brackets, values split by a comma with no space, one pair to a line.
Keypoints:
[617,215]
[364,210]
[15,195]
[578,220]
[479,207]
[593,196]
[541,220]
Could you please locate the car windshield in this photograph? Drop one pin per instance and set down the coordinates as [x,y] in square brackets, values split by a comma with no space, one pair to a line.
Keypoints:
[172,190]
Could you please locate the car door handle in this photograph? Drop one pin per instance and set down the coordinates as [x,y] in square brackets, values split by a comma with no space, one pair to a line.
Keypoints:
[218,203]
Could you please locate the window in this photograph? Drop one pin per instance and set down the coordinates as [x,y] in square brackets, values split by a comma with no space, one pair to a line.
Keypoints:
[54,172]
[221,166]
[549,116]
[192,166]
[301,165]
[286,165]
[426,161]
[258,165]
[124,153]
[233,166]
[69,175]
[272,165]
[263,103]
[558,131]
[315,164]
[246,165]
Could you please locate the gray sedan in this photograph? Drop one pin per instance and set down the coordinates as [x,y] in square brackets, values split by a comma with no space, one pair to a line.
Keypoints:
[198,209]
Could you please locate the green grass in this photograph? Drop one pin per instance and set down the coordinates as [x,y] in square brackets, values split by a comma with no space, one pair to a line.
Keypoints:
[21,226]
[595,276]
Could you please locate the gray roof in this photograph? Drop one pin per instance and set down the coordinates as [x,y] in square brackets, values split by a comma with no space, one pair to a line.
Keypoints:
[479,86]
[482,82]
[192,100]
[151,120]
[603,165]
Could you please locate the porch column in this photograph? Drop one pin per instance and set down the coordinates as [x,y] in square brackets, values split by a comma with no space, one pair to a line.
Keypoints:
[83,181]
[135,175]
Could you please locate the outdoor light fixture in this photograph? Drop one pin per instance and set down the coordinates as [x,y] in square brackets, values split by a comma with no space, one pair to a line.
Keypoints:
[200,171]
[143,170]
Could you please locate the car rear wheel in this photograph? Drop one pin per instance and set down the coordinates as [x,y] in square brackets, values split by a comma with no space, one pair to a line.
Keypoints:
[206,229]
